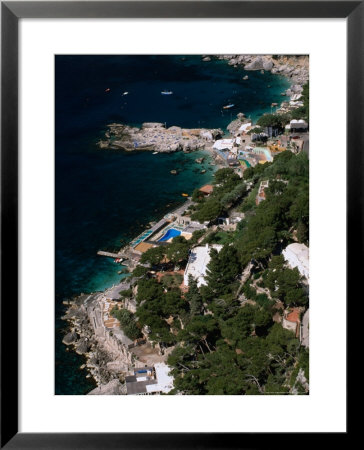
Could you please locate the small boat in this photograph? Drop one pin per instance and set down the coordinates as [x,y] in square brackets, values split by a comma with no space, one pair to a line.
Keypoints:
[125,93]
[228,106]
[184,195]
[246,77]
[173,172]
[155,153]
[166,92]
[203,171]
[107,90]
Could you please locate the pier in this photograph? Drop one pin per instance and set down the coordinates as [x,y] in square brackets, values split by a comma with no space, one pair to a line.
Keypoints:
[110,254]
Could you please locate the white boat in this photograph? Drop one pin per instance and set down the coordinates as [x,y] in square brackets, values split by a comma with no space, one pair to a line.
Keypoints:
[125,93]
[228,106]
[166,92]
[155,153]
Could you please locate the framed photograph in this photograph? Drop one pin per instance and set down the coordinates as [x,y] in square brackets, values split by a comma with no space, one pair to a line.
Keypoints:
[181,191]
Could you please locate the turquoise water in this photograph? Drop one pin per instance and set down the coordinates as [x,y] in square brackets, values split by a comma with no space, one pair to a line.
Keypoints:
[106,198]
[171,233]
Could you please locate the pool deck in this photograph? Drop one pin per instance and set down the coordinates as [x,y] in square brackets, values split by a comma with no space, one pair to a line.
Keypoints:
[146,234]
[128,252]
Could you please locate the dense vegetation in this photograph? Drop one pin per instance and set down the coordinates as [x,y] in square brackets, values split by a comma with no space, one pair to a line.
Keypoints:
[229,189]
[127,322]
[225,338]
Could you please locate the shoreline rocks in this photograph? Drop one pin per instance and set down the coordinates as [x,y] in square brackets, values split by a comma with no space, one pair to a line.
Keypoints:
[113,387]
[294,67]
[70,338]
[100,361]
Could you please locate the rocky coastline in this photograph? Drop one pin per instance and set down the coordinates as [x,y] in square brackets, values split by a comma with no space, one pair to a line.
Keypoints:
[294,67]
[154,136]
[109,360]
[105,365]
[110,354]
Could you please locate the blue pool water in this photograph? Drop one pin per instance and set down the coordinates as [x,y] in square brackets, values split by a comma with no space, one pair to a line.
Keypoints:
[171,233]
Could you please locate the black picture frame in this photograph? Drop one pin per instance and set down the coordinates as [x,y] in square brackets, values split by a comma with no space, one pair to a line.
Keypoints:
[11,12]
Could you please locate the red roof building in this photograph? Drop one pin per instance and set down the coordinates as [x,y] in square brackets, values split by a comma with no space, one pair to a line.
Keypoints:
[207,189]
[291,320]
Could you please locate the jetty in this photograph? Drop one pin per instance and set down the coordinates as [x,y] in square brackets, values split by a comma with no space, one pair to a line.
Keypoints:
[119,255]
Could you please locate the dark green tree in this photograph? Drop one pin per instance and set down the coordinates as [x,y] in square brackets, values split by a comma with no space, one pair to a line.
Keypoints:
[222,270]
[154,256]
[194,297]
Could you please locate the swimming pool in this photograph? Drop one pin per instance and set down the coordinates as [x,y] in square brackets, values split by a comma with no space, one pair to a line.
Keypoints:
[171,233]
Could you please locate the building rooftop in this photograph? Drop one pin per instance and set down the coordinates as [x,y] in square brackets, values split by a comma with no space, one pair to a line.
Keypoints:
[197,263]
[139,387]
[165,381]
[293,315]
[149,381]
[207,189]
[222,144]
[245,127]
[297,255]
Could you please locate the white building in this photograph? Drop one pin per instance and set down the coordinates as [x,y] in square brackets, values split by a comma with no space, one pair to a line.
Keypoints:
[296,103]
[197,263]
[245,127]
[299,125]
[297,255]
[149,380]
[164,380]
[224,144]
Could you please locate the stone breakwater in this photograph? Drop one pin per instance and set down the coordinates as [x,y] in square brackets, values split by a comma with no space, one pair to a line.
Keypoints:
[155,136]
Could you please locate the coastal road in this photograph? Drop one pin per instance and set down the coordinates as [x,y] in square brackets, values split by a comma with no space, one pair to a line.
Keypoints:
[306,143]
[305,331]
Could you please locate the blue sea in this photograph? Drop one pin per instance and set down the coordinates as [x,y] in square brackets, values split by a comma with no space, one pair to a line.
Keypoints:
[104,198]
